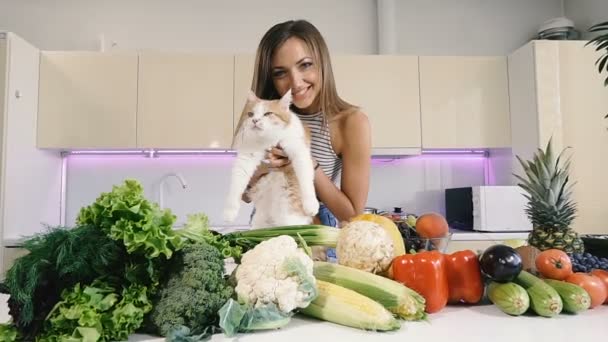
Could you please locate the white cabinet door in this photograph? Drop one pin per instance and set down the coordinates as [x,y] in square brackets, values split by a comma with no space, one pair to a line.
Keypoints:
[87,100]
[185,101]
[584,103]
[386,89]
[465,102]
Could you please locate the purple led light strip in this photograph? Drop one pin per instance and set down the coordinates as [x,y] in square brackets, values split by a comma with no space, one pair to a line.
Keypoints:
[154,153]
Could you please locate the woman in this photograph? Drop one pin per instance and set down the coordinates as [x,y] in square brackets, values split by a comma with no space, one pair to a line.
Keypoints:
[293,55]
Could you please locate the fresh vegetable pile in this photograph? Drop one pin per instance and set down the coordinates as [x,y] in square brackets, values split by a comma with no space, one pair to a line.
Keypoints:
[554,289]
[104,278]
[124,269]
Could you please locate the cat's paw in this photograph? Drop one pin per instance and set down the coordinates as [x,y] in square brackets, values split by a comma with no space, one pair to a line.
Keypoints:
[310,205]
[230,212]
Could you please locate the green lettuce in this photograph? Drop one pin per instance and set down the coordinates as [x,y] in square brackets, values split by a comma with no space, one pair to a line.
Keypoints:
[125,214]
[98,312]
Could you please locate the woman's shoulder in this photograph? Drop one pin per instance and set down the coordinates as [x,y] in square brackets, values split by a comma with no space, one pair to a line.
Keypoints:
[352,127]
[352,119]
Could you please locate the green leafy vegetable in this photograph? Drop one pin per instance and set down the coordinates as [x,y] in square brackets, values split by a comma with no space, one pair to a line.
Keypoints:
[125,214]
[9,333]
[197,229]
[236,317]
[98,312]
[57,259]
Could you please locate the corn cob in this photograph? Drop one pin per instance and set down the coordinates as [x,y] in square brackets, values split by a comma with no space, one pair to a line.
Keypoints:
[340,305]
[396,297]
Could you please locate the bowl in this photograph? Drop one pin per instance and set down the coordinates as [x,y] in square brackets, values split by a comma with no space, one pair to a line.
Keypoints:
[596,244]
[419,244]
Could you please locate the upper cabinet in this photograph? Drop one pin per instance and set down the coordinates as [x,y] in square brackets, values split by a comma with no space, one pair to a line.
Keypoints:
[184,101]
[386,89]
[175,100]
[243,75]
[465,102]
[87,100]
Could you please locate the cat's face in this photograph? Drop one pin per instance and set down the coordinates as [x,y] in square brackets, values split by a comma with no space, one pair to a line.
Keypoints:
[266,117]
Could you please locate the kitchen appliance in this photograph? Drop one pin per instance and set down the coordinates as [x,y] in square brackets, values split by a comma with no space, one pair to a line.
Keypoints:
[488,208]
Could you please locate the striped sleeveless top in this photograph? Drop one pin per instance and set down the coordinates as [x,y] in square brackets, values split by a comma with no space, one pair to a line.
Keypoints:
[321,148]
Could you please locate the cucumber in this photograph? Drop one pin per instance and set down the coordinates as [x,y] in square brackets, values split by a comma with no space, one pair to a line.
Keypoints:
[575,298]
[511,298]
[544,300]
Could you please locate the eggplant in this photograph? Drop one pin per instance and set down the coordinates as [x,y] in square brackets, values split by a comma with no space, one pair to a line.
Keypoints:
[500,263]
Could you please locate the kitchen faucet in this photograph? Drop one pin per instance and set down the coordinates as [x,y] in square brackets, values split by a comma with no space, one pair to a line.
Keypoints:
[162,183]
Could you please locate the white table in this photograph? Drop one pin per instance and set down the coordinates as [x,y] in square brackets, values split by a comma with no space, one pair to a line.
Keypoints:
[484,323]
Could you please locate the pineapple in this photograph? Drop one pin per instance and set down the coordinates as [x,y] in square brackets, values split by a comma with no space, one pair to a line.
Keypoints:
[550,207]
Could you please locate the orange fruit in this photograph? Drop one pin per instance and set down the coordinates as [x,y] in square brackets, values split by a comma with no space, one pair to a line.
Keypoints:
[431,226]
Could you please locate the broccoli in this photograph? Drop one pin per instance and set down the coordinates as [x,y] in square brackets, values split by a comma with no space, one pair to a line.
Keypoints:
[193,292]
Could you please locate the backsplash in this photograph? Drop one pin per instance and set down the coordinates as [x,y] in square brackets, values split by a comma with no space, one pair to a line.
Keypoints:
[414,183]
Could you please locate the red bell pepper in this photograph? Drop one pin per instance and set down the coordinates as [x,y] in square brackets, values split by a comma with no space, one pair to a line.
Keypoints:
[464,277]
[424,273]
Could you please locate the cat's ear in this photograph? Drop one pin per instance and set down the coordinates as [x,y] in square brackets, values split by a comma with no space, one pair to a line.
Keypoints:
[251,97]
[285,101]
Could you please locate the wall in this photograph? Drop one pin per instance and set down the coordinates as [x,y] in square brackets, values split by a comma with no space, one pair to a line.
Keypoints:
[213,26]
[470,27]
[586,13]
[444,27]
[423,27]
[414,183]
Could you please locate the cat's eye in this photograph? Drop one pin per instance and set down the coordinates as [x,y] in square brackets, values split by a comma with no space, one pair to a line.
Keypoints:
[268,113]
[250,114]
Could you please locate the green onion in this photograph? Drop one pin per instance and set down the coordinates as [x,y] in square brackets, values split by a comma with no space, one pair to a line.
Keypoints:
[314,235]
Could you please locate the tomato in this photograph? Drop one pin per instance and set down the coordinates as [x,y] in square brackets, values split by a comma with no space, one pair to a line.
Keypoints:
[431,225]
[554,264]
[594,286]
[604,276]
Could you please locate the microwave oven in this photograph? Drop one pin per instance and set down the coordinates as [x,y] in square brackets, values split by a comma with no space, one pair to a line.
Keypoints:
[487,208]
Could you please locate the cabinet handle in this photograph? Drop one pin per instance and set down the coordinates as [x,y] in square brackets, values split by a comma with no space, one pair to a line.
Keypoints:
[18,94]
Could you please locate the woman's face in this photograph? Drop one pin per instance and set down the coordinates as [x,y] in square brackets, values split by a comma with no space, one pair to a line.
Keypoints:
[293,67]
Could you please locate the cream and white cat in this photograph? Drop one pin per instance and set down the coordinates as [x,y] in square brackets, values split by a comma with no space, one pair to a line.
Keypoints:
[282,197]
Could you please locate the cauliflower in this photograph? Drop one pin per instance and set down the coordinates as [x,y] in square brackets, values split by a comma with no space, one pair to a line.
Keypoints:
[366,246]
[276,272]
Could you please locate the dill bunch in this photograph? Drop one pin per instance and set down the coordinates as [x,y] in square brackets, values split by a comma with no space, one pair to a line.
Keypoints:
[57,259]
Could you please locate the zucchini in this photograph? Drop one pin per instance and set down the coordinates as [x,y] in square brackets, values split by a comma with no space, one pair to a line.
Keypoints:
[544,300]
[510,298]
[575,298]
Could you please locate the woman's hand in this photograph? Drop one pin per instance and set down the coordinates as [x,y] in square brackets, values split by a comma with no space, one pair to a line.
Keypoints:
[275,158]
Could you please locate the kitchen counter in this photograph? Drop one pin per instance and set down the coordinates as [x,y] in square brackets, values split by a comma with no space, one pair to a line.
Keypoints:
[470,235]
[453,324]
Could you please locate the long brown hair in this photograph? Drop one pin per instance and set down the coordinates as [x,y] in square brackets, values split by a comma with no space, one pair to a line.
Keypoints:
[262,85]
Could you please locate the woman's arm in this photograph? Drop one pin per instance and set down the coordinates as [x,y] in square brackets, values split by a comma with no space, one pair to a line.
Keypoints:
[351,199]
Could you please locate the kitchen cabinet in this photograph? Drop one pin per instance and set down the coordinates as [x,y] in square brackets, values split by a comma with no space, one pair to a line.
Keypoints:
[184,100]
[464,102]
[30,179]
[87,100]
[386,89]
[557,93]
[243,76]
